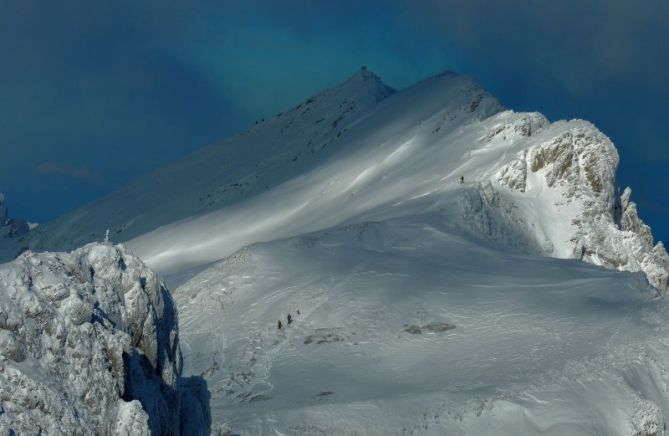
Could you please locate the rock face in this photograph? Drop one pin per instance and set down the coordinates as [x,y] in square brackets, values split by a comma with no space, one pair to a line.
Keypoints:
[10,228]
[490,214]
[574,172]
[89,344]
[3,210]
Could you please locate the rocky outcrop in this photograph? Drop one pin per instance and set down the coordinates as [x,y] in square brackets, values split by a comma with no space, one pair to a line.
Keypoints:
[577,163]
[629,220]
[581,160]
[10,227]
[514,175]
[3,210]
[89,344]
[488,213]
[652,259]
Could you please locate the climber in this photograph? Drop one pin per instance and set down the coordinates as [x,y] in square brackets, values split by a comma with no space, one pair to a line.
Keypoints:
[462,179]
[290,319]
[279,324]
[298,312]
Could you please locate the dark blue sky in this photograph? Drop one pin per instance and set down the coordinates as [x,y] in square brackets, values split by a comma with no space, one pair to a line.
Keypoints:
[95,93]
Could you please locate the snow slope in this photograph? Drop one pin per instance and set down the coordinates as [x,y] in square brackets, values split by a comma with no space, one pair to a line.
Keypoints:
[556,181]
[89,344]
[410,326]
[220,175]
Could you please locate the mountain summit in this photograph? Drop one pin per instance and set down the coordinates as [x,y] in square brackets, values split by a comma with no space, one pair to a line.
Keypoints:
[366,82]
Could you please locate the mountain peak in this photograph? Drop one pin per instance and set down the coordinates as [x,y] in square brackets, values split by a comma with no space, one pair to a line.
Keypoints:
[363,74]
[365,81]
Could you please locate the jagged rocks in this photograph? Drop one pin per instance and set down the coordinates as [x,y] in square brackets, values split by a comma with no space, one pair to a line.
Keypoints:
[630,221]
[10,228]
[573,173]
[514,175]
[522,126]
[654,259]
[582,159]
[89,344]
[620,240]
[3,210]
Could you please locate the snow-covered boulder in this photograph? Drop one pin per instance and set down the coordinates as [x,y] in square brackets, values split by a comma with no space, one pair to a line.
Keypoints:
[89,344]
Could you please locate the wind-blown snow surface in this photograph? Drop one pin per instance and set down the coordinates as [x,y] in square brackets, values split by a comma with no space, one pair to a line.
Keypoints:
[89,344]
[408,326]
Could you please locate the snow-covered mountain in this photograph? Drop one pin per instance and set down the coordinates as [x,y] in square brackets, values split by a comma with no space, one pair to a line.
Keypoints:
[360,151]
[551,185]
[89,344]
[432,242]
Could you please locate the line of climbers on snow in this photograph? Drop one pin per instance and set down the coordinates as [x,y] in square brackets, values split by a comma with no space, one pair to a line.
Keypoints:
[289,318]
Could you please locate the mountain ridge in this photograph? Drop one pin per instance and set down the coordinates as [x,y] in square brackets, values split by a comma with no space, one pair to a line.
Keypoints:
[362,137]
[351,98]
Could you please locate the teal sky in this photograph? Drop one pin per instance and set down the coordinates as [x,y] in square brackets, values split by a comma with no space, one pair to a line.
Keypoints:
[95,93]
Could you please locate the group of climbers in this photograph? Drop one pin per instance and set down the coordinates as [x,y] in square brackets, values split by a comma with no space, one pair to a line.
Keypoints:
[289,318]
